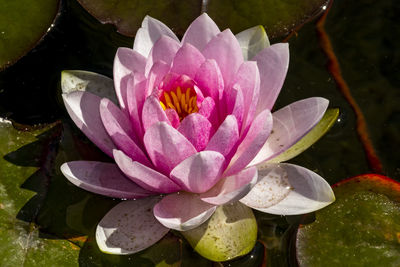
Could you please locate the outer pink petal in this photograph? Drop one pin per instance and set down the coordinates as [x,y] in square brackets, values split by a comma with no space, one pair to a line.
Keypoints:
[231,188]
[126,61]
[199,172]
[151,30]
[287,189]
[209,79]
[201,31]
[129,227]
[152,112]
[290,124]
[234,104]
[273,63]
[248,78]
[182,211]
[102,178]
[136,97]
[197,129]
[119,127]
[225,49]
[166,146]
[83,108]
[225,137]
[163,50]
[187,60]
[144,176]
[256,136]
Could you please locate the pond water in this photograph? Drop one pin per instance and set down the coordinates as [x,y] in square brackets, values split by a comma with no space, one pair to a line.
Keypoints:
[364,36]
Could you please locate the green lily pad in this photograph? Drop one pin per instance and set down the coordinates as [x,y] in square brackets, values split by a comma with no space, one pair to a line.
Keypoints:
[127,15]
[229,233]
[24,158]
[278,16]
[362,228]
[327,121]
[22,24]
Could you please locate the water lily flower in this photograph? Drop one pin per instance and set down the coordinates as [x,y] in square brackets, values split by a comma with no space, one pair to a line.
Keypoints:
[190,128]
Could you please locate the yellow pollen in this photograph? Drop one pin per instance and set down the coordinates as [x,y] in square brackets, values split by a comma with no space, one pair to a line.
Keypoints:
[183,102]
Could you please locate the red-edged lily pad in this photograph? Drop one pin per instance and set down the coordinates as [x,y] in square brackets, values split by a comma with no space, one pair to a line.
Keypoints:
[362,228]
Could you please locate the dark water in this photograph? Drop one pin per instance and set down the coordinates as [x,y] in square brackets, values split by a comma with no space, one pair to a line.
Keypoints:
[365,38]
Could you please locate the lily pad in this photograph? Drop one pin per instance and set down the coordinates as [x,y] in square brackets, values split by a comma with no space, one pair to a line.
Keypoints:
[327,121]
[278,16]
[362,228]
[22,24]
[231,232]
[127,15]
[24,158]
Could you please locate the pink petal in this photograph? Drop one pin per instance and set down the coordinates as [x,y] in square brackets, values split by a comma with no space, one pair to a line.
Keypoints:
[225,49]
[129,227]
[136,96]
[163,50]
[199,172]
[166,146]
[273,64]
[248,78]
[225,137]
[287,189]
[209,110]
[197,129]
[234,104]
[209,79]
[102,178]
[272,186]
[156,75]
[83,108]
[149,34]
[201,31]
[126,61]
[119,127]
[187,60]
[291,123]
[256,137]
[152,112]
[231,188]
[144,176]
[182,211]
[173,117]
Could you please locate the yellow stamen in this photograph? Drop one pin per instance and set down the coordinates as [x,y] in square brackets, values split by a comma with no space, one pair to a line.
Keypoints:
[163,105]
[176,102]
[183,102]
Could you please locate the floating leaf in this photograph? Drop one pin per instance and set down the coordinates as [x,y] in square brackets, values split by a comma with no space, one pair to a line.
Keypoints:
[127,15]
[278,17]
[24,159]
[362,228]
[22,25]
[309,139]
[231,232]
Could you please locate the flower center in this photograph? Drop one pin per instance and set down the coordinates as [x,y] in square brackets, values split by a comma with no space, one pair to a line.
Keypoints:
[184,102]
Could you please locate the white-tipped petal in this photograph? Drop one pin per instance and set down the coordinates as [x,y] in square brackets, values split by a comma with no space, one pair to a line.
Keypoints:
[129,227]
